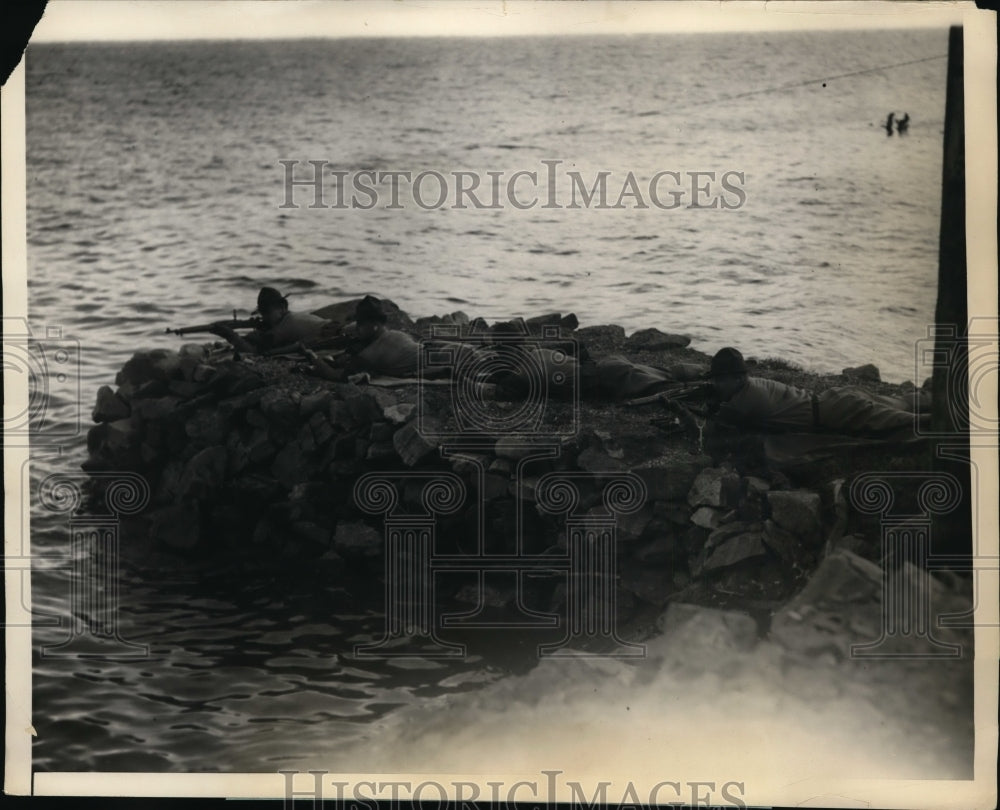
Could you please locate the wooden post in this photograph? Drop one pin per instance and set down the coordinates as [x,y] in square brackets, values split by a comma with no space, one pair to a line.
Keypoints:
[949,414]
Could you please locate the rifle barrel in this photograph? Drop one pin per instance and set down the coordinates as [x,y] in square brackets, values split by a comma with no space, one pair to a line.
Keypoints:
[249,323]
[675,392]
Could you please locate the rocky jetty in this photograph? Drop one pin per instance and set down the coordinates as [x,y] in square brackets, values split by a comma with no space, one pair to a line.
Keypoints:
[255,463]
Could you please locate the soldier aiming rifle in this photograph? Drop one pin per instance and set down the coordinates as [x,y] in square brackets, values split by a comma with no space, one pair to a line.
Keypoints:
[276,331]
[687,403]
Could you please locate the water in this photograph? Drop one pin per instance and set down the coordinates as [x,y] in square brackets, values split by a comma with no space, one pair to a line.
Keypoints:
[153,188]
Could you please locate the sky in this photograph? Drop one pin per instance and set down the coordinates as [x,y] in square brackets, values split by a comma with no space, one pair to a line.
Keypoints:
[102,20]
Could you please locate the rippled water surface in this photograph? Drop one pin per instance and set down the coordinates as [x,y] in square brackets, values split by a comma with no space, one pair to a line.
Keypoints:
[153,200]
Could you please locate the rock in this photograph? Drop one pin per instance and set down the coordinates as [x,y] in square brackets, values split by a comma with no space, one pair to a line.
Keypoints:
[185,389]
[259,447]
[277,406]
[670,480]
[234,378]
[469,463]
[315,402]
[652,585]
[400,414]
[203,373]
[157,364]
[707,517]
[605,333]
[194,351]
[535,324]
[288,465]
[321,428]
[660,551]
[512,447]
[687,627]
[186,366]
[208,426]
[855,543]
[523,490]
[735,550]
[488,595]
[383,397]
[150,389]
[797,511]
[597,461]
[381,432]
[237,404]
[838,607]
[204,473]
[411,445]
[113,439]
[306,440]
[632,525]
[501,466]
[723,533]
[380,451]
[715,486]
[177,526]
[570,322]
[340,415]
[365,409]
[312,533]
[868,372]
[654,340]
[356,539]
[342,447]
[254,489]
[495,486]
[610,444]
[109,406]
[784,544]
[154,408]
[677,514]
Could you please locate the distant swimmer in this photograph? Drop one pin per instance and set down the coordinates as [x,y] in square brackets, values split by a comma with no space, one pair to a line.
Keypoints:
[888,124]
[903,124]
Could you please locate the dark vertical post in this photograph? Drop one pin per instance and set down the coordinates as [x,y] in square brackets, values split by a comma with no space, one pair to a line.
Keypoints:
[949,414]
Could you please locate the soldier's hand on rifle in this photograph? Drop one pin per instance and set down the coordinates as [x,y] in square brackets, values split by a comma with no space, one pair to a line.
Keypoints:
[684,415]
[222,331]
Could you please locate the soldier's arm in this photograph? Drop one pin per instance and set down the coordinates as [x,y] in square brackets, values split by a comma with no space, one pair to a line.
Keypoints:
[237,341]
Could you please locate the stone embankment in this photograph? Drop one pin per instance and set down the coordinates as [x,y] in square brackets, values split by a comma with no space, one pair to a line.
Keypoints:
[256,461]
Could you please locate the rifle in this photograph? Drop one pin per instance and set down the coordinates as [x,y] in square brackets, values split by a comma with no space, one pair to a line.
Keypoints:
[335,343]
[679,399]
[235,323]
[677,393]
